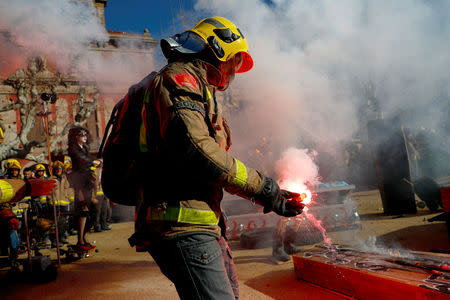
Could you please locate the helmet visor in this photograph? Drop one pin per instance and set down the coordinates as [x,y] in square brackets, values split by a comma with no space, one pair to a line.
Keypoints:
[189,42]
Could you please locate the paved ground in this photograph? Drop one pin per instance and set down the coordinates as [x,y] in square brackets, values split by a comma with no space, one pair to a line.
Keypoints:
[118,272]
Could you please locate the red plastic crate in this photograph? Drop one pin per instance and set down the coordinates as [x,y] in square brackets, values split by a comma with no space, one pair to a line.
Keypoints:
[370,276]
[445,196]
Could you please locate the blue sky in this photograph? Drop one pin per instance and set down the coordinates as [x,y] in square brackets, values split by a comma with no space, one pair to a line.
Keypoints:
[161,17]
[156,15]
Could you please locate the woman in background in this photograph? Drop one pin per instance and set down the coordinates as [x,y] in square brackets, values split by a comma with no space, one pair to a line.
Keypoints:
[82,180]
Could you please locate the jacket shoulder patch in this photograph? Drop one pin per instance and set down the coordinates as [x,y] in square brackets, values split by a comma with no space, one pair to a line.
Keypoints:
[186,80]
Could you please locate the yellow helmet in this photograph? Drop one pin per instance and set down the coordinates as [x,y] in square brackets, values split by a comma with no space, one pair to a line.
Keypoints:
[13,164]
[225,39]
[219,34]
[58,164]
[39,167]
[67,159]
[67,163]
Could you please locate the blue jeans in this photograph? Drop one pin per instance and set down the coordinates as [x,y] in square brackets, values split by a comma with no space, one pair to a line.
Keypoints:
[199,264]
[14,239]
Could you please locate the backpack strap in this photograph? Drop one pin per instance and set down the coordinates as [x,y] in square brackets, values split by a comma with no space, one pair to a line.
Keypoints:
[212,131]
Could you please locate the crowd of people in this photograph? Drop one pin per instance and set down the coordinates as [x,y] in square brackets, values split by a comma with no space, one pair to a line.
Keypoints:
[75,216]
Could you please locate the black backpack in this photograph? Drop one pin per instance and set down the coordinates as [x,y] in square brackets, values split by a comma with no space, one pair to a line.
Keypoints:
[121,172]
[123,162]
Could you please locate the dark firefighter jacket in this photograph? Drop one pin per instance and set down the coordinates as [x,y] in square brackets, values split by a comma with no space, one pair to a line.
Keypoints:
[188,167]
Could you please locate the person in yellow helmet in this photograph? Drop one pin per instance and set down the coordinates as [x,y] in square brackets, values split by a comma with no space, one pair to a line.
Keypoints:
[39,171]
[40,202]
[13,168]
[67,164]
[61,196]
[7,209]
[11,191]
[185,141]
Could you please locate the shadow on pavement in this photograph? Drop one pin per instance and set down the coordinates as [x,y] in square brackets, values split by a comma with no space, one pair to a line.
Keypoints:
[419,238]
[253,259]
[282,285]
[381,216]
[82,279]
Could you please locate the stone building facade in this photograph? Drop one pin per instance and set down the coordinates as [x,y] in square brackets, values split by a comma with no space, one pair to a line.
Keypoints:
[26,81]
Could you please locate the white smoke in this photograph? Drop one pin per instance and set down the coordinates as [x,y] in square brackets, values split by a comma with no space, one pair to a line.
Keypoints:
[63,31]
[296,168]
[318,62]
[51,25]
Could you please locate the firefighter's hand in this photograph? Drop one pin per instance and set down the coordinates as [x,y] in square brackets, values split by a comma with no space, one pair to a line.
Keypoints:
[292,203]
[282,202]
[97,163]
[39,187]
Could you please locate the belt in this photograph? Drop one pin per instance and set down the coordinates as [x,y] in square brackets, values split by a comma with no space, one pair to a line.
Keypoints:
[181,215]
[63,203]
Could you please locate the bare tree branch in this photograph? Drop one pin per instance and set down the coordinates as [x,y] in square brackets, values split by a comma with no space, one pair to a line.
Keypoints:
[26,84]
[8,107]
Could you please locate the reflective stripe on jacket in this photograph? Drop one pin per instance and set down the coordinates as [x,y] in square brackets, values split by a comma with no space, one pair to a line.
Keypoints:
[62,194]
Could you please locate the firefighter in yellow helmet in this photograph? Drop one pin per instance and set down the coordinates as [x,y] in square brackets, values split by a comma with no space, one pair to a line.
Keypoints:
[9,223]
[11,191]
[61,197]
[41,201]
[67,164]
[39,171]
[57,168]
[186,140]
[13,168]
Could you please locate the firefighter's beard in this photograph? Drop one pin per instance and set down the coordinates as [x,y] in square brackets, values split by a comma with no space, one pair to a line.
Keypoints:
[227,79]
[228,71]
[222,76]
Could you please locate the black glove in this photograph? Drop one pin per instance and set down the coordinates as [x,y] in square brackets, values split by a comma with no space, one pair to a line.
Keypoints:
[281,202]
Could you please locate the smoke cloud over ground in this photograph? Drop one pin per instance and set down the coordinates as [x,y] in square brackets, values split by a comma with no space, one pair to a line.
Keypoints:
[324,68]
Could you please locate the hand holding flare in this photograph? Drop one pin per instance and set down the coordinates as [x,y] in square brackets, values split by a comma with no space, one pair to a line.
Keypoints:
[294,201]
